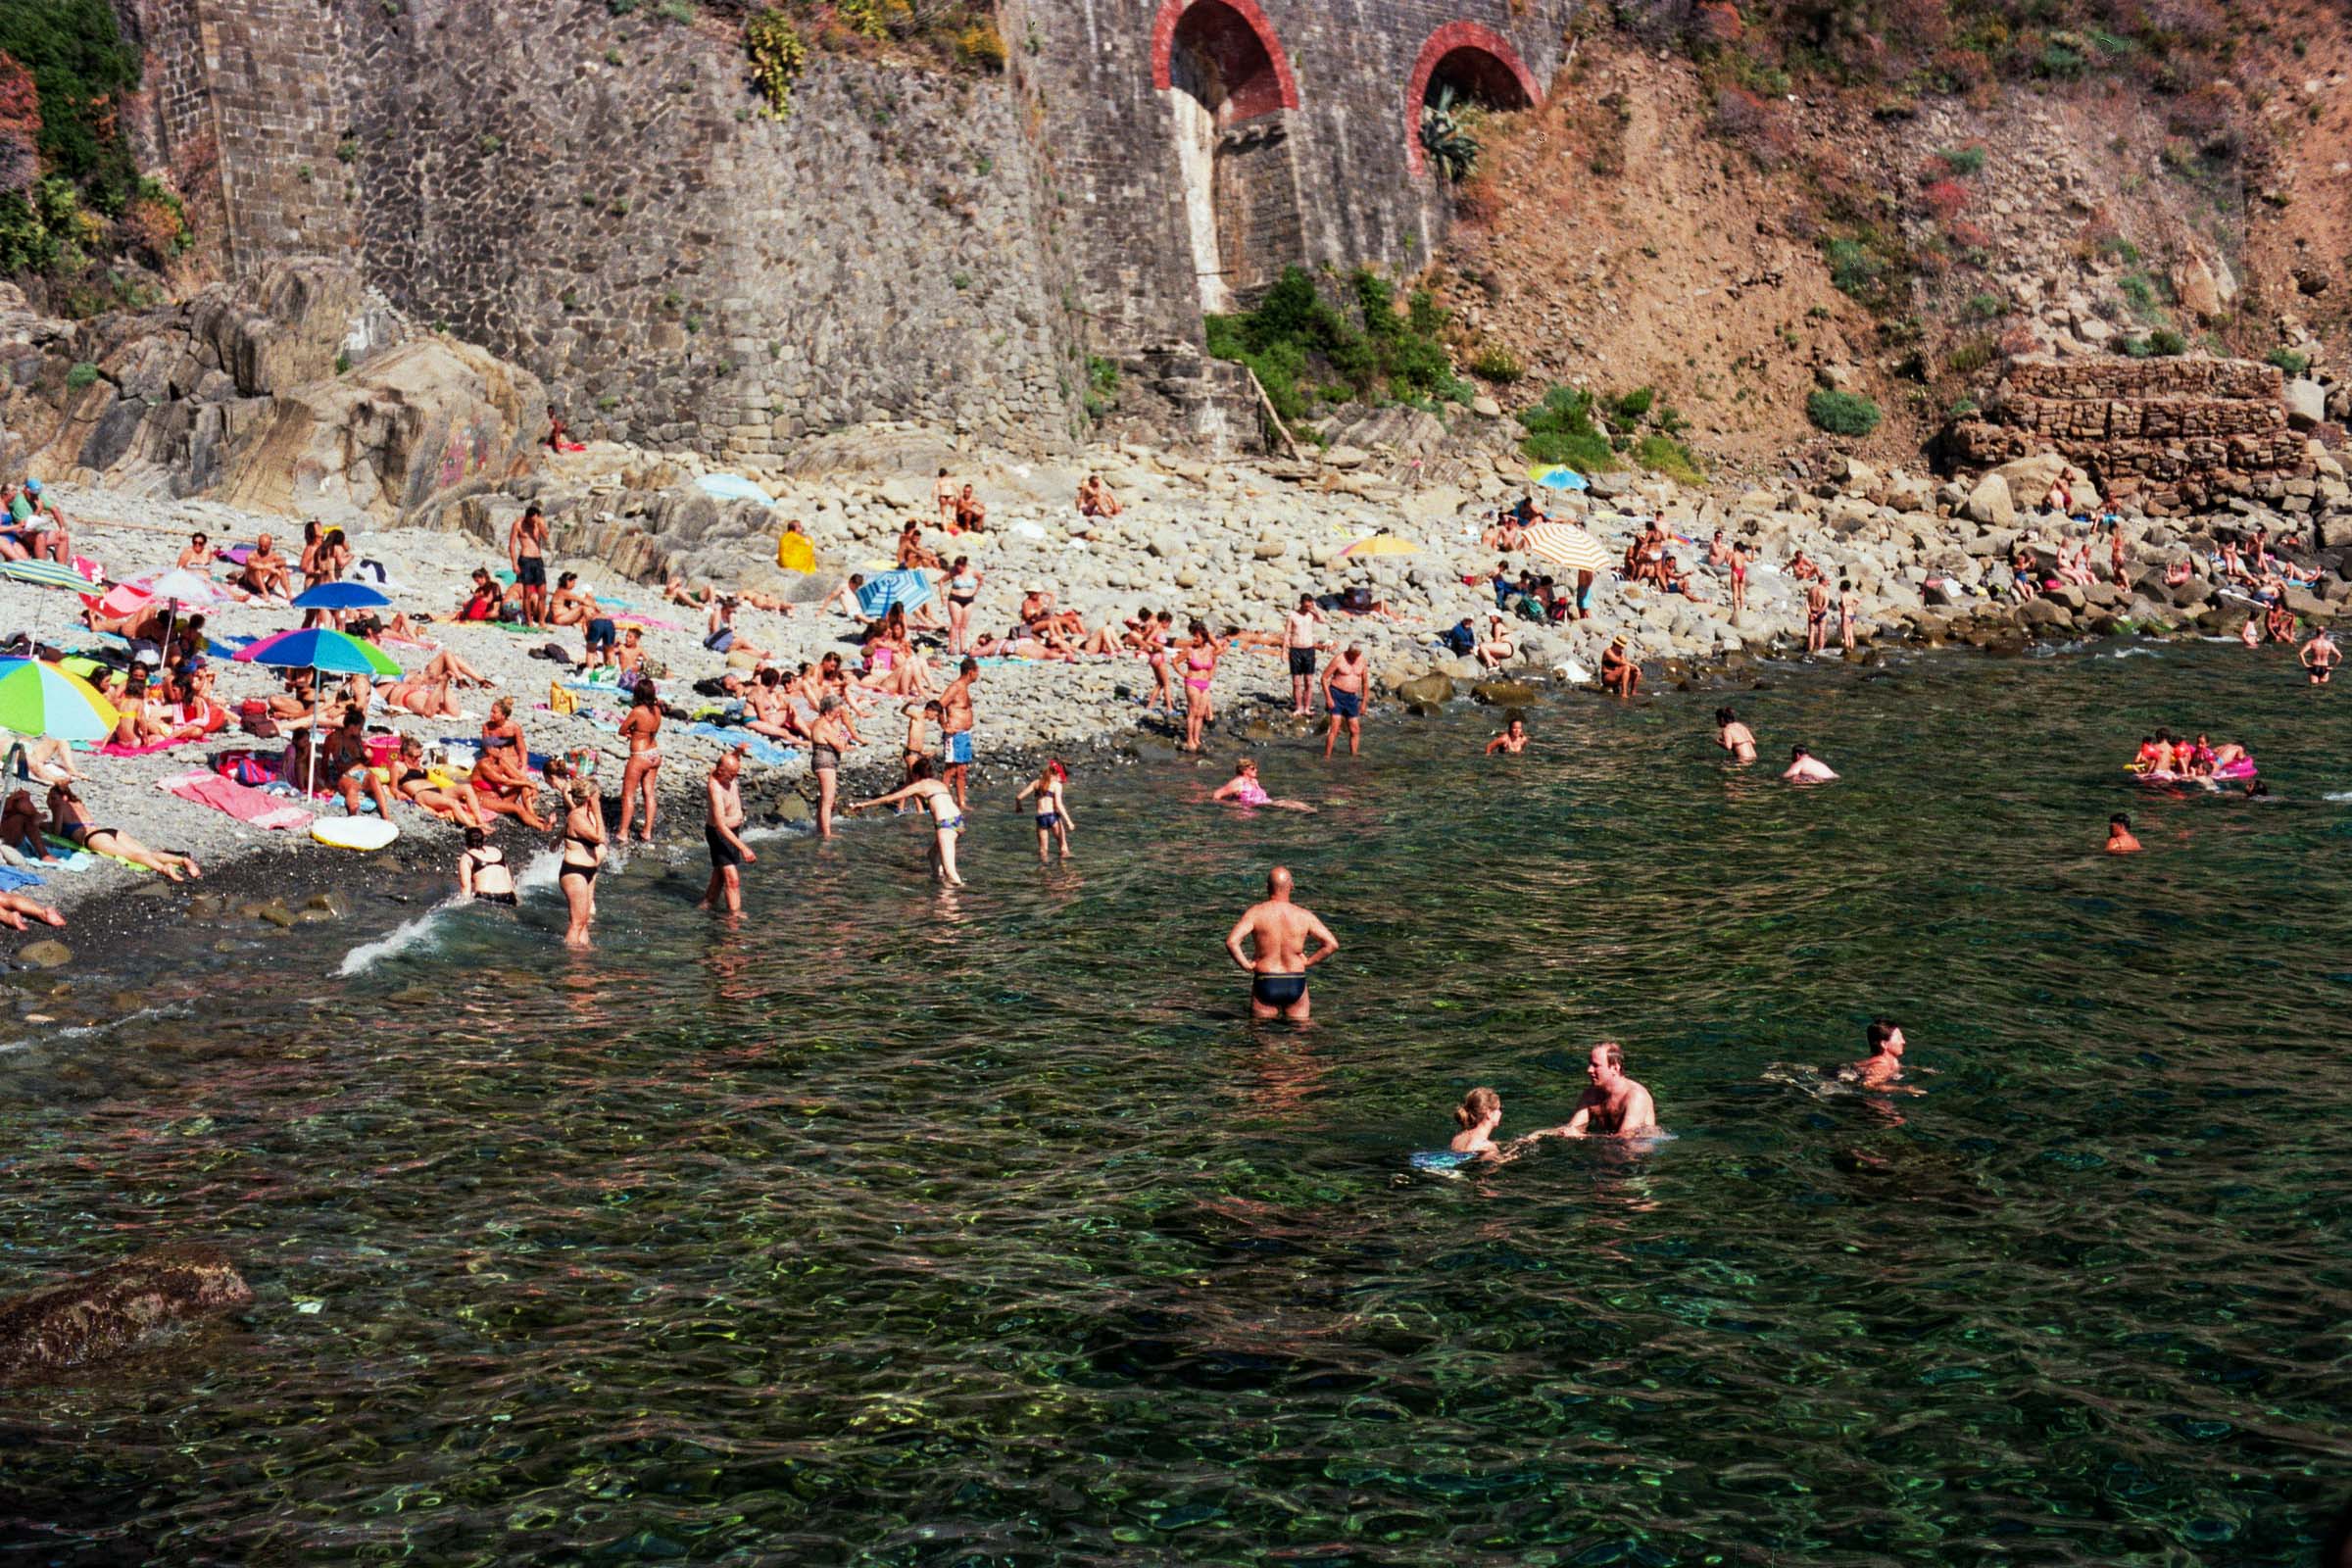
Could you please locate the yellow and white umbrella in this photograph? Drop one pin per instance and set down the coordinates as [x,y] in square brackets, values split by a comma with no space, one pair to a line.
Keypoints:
[1564,543]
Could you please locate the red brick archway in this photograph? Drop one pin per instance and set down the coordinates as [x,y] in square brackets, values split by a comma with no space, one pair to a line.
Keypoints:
[1478,57]
[1237,38]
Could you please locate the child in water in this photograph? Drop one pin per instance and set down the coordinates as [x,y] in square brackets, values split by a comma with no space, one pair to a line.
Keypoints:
[1053,810]
[1479,1113]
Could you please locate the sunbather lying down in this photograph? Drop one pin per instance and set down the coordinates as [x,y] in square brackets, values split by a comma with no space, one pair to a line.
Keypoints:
[16,907]
[71,821]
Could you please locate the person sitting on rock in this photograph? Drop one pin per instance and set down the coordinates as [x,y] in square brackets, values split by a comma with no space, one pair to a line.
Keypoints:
[2058,498]
[1802,569]
[2179,572]
[1620,676]
[1497,650]
[2025,568]
[1095,499]
[914,555]
[970,515]
[1459,639]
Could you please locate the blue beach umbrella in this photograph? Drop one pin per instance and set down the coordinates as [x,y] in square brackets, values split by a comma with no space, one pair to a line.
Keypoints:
[1556,477]
[341,596]
[909,588]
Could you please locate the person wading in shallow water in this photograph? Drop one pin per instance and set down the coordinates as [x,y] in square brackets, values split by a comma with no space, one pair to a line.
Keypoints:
[1280,931]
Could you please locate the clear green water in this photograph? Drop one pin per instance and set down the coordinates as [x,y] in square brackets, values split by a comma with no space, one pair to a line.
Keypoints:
[890,1229]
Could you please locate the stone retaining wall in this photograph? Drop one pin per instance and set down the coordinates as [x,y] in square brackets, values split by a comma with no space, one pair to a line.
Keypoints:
[2171,432]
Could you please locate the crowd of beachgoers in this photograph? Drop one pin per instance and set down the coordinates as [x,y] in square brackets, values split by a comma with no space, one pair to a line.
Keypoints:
[490,696]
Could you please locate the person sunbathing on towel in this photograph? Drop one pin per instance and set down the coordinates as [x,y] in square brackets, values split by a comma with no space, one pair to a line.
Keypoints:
[69,819]
[411,783]
[264,572]
[502,785]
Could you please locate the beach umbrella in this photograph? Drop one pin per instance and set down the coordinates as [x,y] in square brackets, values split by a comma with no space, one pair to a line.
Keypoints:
[341,596]
[181,587]
[43,574]
[1552,477]
[1564,543]
[40,699]
[1380,544]
[909,588]
[316,649]
[120,600]
[320,648]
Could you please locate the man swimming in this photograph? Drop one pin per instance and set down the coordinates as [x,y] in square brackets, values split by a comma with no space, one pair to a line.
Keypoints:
[1885,1063]
[1614,1106]
[1279,930]
[1734,737]
[1806,768]
[2119,836]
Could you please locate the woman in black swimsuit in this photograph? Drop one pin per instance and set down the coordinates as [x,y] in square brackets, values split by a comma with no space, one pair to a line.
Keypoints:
[482,872]
[71,821]
[583,858]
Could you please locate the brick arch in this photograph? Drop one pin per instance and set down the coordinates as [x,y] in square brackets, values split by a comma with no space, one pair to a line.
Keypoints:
[1501,75]
[1232,23]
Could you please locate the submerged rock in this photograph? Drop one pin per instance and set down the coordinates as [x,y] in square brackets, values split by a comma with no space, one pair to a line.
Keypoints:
[46,953]
[1503,693]
[1431,689]
[108,1313]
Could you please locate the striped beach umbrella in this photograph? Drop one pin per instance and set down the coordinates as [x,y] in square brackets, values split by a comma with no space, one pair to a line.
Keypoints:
[1564,543]
[320,648]
[909,588]
[40,699]
[44,574]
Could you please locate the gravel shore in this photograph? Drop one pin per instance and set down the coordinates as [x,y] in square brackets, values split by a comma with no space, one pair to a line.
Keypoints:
[1234,544]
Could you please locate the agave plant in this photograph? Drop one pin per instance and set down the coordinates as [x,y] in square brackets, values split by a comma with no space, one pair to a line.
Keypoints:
[1444,137]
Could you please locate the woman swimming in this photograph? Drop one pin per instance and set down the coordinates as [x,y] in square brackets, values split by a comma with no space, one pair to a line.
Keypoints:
[1243,788]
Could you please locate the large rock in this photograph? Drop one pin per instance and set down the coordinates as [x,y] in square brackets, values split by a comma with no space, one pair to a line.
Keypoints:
[103,1314]
[1506,693]
[2045,615]
[46,953]
[1427,689]
[2306,403]
[2199,290]
[427,425]
[1990,504]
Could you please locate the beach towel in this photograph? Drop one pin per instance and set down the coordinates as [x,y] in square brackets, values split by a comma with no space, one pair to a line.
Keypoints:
[13,880]
[631,618]
[757,748]
[235,800]
[81,859]
[182,737]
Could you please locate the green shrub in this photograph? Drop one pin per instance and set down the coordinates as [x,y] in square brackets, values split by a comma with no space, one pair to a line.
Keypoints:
[1498,365]
[1963,161]
[83,69]
[2166,342]
[1985,307]
[81,376]
[678,11]
[2134,348]
[1841,412]
[2140,292]
[1970,356]
[2060,62]
[2289,361]
[1662,454]
[981,45]
[1560,429]
[2117,248]
[1371,351]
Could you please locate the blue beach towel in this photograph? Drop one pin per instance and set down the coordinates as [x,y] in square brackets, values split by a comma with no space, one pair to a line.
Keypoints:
[759,748]
[13,880]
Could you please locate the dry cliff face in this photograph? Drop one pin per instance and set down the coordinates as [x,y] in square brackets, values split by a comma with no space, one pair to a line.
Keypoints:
[1648,227]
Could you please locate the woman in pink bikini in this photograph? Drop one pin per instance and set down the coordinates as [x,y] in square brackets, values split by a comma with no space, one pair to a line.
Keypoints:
[1243,788]
[1200,656]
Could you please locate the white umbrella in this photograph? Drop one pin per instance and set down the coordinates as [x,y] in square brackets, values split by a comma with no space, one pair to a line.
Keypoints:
[1564,543]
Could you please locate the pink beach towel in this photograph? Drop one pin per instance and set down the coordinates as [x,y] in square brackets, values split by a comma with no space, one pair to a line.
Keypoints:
[181,738]
[235,800]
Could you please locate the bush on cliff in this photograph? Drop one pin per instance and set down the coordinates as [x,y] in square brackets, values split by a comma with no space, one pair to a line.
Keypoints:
[1841,412]
[1304,349]
[81,71]
[1560,429]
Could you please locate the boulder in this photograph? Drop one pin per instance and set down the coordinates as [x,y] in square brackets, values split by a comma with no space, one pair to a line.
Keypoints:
[105,1313]
[2028,478]
[2306,403]
[2199,290]
[46,953]
[1503,693]
[1990,504]
[1431,688]
[2045,615]
[413,431]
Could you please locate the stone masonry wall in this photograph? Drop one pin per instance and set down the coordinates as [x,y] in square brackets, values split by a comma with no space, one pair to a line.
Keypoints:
[1116,189]
[597,198]
[2170,431]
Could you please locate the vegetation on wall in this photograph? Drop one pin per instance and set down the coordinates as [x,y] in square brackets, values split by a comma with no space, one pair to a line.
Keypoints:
[1308,352]
[71,200]
[1448,134]
[779,37]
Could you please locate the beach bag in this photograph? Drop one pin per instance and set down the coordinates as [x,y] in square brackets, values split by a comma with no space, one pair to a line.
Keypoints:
[253,717]
[559,701]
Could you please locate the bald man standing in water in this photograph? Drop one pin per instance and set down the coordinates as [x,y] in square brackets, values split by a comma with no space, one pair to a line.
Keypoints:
[1280,929]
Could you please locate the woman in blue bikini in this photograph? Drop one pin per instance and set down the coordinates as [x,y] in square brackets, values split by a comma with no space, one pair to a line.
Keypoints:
[1053,810]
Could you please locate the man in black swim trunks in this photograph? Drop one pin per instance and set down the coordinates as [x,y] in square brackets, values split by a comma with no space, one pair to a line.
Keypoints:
[526,554]
[1298,632]
[722,830]
[1281,931]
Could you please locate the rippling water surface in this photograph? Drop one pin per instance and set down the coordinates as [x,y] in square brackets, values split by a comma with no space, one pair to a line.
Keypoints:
[896,1228]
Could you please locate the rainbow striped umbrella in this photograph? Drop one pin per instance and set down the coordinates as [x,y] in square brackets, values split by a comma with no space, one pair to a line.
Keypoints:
[40,699]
